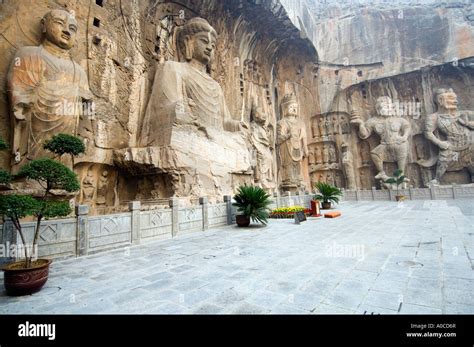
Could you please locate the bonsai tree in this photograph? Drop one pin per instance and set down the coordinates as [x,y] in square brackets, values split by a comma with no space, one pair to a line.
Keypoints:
[252,202]
[65,144]
[50,175]
[17,207]
[327,194]
[398,179]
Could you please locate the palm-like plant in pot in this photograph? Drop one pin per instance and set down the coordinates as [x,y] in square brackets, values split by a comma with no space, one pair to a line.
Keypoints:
[327,194]
[398,179]
[29,275]
[252,203]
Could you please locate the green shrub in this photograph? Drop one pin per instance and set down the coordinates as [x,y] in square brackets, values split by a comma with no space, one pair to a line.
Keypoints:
[50,174]
[3,145]
[65,144]
[5,177]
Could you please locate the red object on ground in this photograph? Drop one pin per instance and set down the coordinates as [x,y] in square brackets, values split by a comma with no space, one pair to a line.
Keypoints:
[315,212]
[333,214]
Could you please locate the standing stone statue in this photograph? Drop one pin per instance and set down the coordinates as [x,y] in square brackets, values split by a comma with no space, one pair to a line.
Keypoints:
[456,150]
[393,131]
[103,188]
[322,126]
[348,165]
[337,125]
[330,179]
[315,128]
[332,154]
[311,158]
[184,92]
[329,127]
[261,142]
[88,187]
[325,154]
[292,141]
[47,89]
[319,155]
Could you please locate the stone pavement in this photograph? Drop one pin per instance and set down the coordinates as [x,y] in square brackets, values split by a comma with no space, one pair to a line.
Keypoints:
[379,257]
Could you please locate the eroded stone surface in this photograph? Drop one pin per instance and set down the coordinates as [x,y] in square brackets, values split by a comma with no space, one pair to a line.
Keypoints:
[165,126]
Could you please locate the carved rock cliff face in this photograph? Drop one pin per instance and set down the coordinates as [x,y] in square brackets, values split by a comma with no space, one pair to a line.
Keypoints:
[333,56]
[401,49]
[259,58]
[370,39]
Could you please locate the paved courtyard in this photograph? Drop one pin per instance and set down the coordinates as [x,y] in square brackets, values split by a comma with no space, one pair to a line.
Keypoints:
[379,257]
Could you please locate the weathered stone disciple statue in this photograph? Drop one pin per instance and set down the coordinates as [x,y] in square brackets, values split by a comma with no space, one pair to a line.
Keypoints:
[47,89]
[456,148]
[348,165]
[393,131]
[292,141]
[261,142]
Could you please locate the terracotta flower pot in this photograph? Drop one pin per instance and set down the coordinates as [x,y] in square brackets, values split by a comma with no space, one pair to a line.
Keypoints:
[242,221]
[400,197]
[21,281]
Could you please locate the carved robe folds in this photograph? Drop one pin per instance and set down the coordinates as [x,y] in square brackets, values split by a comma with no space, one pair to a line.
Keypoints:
[46,94]
[291,136]
[187,116]
[183,95]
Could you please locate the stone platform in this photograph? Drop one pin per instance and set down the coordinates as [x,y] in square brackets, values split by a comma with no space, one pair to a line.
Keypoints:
[379,257]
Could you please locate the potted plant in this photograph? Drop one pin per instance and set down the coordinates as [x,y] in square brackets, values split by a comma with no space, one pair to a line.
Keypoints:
[398,179]
[327,194]
[29,275]
[252,203]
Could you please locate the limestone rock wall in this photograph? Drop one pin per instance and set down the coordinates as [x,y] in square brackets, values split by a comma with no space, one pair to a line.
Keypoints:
[260,57]
[369,39]
[402,49]
[335,56]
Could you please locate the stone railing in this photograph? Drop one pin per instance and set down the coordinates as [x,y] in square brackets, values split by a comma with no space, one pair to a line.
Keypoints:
[434,193]
[85,234]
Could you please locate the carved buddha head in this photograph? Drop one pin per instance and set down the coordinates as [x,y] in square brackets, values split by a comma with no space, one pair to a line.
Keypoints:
[60,28]
[445,98]
[197,40]
[258,115]
[384,106]
[289,106]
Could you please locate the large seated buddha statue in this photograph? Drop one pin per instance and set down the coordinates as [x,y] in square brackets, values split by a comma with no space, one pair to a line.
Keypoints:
[187,129]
